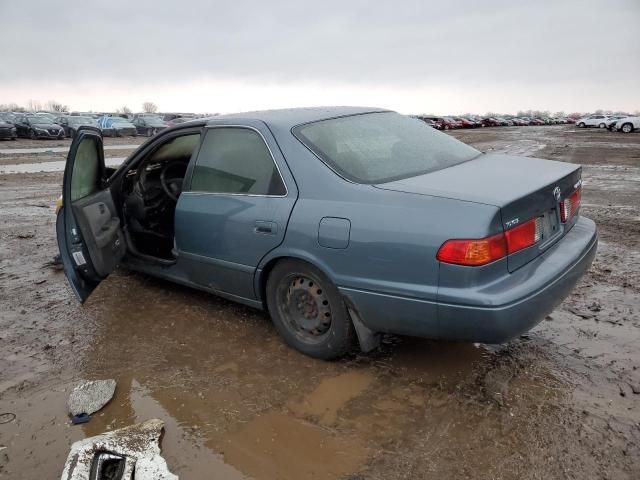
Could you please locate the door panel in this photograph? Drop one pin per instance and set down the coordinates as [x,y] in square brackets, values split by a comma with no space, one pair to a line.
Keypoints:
[222,237]
[99,225]
[90,239]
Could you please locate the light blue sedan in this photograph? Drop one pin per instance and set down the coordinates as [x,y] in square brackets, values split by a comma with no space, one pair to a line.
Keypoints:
[343,223]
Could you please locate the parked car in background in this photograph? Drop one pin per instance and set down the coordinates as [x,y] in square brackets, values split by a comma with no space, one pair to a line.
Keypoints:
[490,122]
[7,130]
[167,117]
[537,121]
[49,115]
[464,123]
[449,123]
[178,121]
[627,124]
[72,123]
[117,126]
[342,223]
[599,121]
[611,121]
[477,122]
[31,125]
[148,124]
[428,121]
[8,117]
[436,122]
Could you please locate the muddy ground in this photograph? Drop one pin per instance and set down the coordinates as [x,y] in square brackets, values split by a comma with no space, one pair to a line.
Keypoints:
[560,402]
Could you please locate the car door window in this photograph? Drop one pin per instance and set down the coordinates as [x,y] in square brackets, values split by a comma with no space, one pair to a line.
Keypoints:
[86,170]
[235,160]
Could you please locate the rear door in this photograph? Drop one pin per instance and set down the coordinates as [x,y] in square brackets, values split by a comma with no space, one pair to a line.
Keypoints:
[88,227]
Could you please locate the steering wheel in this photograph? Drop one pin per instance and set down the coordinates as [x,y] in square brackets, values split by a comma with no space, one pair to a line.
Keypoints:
[172,186]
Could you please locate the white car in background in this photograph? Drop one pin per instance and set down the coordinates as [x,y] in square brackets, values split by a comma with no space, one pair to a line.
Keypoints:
[611,121]
[627,124]
[599,121]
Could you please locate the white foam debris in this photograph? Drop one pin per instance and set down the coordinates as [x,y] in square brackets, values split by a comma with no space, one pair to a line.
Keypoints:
[138,446]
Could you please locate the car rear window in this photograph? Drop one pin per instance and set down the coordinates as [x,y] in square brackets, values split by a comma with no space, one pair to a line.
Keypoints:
[382,147]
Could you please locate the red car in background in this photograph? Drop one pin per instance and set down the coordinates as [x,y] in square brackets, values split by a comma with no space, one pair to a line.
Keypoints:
[450,122]
[490,122]
[464,122]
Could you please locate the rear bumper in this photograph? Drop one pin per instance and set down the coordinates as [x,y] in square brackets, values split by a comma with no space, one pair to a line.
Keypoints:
[512,306]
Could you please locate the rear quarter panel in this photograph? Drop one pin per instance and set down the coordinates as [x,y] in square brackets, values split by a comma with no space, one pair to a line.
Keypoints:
[393,239]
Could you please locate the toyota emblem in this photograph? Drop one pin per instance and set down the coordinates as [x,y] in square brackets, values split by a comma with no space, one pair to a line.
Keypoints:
[556,194]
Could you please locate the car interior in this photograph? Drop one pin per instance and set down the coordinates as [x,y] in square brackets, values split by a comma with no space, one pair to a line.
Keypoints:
[150,192]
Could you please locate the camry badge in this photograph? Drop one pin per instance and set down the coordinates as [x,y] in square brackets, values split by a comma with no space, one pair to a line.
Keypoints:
[556,194]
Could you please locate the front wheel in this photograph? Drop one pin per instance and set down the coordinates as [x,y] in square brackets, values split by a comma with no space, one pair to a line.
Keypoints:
[627,128]
[581,125]
[602,125]
[308,311]
[32,135]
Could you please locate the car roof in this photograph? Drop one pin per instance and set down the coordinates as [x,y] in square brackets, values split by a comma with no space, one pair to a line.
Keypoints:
[290,117]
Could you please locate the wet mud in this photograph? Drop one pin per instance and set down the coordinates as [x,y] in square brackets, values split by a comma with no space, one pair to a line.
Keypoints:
[562,401]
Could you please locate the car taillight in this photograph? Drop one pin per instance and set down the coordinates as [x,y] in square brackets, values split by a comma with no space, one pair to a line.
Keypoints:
[473,252]
[569,206]
[524,235]
[477,252]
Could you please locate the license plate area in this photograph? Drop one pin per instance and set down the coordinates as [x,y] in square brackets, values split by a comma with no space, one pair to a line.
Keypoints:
[551,230]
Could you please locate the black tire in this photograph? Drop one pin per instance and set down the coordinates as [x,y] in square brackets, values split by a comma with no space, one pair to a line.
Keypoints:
[32,135]
[308,311]
[72,133]
[581,125]
[627,127]
[602,125]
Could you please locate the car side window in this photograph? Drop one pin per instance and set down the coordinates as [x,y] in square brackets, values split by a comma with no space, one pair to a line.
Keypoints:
[86,169]
[236,160]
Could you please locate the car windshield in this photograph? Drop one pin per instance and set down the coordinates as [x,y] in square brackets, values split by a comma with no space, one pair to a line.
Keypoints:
[82,120]
[151,120]
[382,147]
[39,119]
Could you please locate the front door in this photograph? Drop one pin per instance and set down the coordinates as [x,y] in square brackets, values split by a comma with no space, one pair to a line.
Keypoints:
[234,208]
[88,228]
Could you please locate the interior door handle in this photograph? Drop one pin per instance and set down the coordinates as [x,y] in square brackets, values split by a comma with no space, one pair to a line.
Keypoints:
[266,228]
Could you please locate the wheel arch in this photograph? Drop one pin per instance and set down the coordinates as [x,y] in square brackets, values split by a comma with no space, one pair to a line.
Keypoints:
[368,340]
[269,262]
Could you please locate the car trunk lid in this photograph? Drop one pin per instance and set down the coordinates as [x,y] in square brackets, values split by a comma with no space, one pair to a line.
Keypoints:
[522,188]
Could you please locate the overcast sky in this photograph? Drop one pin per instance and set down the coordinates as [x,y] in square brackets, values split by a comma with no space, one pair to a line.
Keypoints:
[412,56]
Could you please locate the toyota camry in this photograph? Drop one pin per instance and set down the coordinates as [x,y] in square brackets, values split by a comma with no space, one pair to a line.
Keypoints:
[342,223]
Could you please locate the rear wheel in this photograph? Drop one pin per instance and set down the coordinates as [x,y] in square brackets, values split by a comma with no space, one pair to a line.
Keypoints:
[32,135]
[627,128]
[602,125]
[308,311]
[581,125]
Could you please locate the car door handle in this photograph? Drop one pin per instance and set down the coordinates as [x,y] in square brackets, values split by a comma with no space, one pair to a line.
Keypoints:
[266,228]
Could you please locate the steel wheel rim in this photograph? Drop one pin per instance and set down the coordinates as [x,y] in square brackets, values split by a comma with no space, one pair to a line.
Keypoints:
[304,307]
